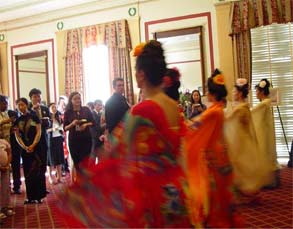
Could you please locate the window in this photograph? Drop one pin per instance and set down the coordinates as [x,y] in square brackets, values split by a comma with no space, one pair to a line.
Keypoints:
[184,49]
[272,58]
[96,72]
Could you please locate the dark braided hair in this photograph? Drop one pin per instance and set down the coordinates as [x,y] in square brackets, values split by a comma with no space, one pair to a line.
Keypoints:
[266,88]
[152,61]
[173,83]
[243,88]
[218,90]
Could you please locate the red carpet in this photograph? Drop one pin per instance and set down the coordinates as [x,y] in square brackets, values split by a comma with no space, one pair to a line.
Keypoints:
[275,209]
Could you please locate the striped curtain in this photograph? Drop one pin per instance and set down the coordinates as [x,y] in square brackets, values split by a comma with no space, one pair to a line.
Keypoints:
[117,38]
[249,14]
[74,78]
[115,35]
[3,68]
[1,91]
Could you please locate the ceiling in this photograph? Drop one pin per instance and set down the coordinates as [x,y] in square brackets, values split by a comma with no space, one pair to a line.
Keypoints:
[15,9]
[17,14]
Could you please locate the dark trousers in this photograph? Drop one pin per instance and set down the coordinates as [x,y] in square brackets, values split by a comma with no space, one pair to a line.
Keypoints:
[65,167]
[80,149]
[15,163]
[32,168]
[42,154]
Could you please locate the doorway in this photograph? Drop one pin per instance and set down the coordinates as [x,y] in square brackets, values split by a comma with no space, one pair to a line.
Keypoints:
[32,71]
[184,49]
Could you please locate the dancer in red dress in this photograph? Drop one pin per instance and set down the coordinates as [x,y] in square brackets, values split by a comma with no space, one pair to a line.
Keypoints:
[143,184]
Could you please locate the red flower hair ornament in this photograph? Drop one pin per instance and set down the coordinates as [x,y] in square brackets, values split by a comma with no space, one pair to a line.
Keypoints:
[167,81]
[178,73]
[138,49]
[219,79]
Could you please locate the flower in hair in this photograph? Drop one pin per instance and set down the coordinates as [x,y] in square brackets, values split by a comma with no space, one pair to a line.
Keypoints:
[241,82]
[138,49]
[178,73]
[219,79]
[167,81]
[262,84]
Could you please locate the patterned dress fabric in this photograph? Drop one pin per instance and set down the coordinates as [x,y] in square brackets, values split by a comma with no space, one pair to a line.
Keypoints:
[141,186]
[209,173]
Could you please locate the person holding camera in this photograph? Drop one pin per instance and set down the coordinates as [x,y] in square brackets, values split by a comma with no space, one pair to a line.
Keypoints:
[56,153]
[196,107]
[77,120]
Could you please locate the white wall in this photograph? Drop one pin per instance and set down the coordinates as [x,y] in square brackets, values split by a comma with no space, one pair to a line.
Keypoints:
[32,79]
[148,11]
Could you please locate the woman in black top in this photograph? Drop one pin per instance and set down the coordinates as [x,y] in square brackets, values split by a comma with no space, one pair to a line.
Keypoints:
[77,120]
[28,133]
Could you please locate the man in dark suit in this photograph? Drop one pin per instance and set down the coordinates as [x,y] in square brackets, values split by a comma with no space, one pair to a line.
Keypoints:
[43,113]
[116,106]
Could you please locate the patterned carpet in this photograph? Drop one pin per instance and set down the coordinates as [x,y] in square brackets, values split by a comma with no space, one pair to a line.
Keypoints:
[275,209]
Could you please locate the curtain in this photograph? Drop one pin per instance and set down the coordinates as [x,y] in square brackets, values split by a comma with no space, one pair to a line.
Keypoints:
[4,80]
[61,37]
[117,38]
[1,91]
[248,14]
[115,35]
[74,80]
[241,39]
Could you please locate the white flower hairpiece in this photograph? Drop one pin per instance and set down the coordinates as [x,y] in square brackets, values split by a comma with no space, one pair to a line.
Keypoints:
[262,84]
[241,82]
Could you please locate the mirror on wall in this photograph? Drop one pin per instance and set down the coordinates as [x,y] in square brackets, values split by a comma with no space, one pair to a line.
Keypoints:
[32,72]
[184,50]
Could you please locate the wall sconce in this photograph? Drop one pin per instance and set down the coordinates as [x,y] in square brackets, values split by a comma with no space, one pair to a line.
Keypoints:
[2,37]
[60,25]
[132,11]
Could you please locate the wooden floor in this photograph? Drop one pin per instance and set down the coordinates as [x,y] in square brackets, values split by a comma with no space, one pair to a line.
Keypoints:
[275,209]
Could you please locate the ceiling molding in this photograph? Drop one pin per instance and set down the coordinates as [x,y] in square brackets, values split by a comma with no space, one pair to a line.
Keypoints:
[16,9]
[224,2]
[91,6]
[13,5]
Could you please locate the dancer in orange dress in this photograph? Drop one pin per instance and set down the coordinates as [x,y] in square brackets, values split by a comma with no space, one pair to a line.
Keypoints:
[209,172]
[143,184]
